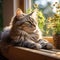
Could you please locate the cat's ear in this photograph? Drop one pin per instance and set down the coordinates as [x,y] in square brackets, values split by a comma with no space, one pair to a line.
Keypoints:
[33,14]
[19,12]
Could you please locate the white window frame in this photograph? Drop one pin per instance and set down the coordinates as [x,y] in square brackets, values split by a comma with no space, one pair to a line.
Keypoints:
[27,5]
[15,6]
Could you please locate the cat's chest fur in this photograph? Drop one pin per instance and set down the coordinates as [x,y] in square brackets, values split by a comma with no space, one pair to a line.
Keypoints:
[17,35]
[25,27]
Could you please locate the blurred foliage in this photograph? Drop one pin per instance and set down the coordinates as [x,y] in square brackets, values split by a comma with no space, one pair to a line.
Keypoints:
[45,7]
[53,23]
[48,26]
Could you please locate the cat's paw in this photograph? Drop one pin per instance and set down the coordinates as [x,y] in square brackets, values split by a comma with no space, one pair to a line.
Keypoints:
[38,46]
[49,46]
[45,44]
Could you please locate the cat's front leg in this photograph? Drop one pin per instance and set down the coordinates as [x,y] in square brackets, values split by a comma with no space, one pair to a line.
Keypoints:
[45,44]
[31,44]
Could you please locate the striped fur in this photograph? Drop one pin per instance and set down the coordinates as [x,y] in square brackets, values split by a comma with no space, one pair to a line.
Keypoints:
[24,31]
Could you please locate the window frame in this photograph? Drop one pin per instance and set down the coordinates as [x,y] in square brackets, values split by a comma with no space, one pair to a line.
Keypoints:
[28,4]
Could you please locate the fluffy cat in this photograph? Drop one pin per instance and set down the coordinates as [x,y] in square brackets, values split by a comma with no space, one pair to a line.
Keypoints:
[24,31]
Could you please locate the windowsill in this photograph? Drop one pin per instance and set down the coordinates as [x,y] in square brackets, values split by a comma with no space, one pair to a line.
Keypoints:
[21,53]
[50,39]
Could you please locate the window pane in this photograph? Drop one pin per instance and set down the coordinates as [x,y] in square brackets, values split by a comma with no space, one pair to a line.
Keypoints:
[48,10]
[46,6]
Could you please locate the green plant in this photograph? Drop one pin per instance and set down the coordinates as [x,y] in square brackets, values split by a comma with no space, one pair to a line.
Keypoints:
[54,22]
[40,17]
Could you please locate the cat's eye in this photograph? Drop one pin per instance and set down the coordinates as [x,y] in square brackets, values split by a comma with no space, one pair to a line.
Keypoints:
[27,23]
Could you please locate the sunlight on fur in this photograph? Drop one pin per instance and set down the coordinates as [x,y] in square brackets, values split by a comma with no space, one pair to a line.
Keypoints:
[23,31]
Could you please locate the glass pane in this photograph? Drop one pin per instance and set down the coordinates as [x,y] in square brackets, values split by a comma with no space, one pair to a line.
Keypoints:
[48,10]
[46,6]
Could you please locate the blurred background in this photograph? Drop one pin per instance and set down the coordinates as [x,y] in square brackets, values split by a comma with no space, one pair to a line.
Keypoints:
[46,6]
[8,8]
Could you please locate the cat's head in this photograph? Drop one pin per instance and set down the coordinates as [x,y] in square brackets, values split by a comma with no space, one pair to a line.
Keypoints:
[26,22]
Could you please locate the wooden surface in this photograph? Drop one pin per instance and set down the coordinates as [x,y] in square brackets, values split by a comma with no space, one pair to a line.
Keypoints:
[50,39]
[20,53]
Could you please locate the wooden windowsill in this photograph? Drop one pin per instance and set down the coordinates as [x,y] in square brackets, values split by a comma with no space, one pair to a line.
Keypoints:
[50,39]
[21,53]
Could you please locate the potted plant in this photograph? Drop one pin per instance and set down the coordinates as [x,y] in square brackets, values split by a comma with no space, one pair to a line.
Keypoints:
[54,24]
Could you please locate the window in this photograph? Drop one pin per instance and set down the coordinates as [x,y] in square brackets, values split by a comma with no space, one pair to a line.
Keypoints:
[27,4]
[47,9]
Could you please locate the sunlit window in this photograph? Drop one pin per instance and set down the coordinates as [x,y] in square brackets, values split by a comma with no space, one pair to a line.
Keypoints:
[47,8]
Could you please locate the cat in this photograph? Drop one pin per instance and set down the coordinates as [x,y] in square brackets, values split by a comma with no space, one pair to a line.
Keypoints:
[24,31]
